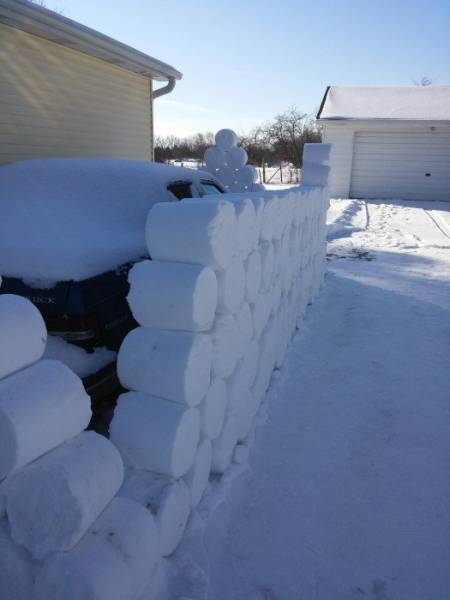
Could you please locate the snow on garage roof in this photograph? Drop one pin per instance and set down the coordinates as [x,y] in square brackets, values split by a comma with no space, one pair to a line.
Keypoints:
[423,103]
[67,219]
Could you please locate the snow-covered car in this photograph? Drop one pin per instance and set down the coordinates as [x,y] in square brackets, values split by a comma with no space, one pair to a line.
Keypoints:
[69,231]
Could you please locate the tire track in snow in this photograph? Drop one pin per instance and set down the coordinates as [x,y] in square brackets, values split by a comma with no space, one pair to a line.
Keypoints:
[433,219]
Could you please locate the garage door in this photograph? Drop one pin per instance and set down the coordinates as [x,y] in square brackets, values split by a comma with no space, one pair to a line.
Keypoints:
[411,166]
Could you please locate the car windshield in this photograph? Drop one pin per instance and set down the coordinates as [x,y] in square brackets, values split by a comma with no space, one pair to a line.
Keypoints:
[181,189]
[210,188]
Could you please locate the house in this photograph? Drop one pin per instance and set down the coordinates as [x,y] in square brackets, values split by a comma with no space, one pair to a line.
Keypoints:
[388,142]
[67,90]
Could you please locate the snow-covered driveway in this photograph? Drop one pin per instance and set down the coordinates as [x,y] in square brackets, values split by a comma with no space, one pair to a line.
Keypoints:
[347,495]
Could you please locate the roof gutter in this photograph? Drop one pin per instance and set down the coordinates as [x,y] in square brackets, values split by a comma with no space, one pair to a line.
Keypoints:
[165,89]
[44,23]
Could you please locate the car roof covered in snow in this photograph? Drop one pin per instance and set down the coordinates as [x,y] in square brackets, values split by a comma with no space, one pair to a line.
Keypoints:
[424,103]
[70,219]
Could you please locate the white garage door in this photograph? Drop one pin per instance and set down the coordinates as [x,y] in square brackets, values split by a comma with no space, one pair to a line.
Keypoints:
[411,166]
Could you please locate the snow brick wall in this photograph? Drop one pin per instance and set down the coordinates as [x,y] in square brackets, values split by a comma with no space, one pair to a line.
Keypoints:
[229,280]
[63,531]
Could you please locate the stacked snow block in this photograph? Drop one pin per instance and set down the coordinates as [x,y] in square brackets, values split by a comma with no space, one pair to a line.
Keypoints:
[228,163]
[228,283]
[58,511]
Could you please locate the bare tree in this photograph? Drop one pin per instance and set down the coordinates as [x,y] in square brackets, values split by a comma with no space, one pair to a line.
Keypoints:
[175,148]
[288,133]
[278,141]
[257,146]
[424,81]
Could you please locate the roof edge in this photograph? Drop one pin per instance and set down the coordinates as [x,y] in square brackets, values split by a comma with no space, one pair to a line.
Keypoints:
[322,104]
[380,119]
[44,23]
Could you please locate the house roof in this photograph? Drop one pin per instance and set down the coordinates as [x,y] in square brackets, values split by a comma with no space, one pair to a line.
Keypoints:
[415,103]
[56,28]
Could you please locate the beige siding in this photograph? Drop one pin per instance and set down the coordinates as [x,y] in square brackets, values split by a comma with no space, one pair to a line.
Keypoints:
[341,141]
[55,101]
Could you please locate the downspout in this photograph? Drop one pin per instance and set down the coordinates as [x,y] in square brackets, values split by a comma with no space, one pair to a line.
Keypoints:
[166,89]
[162,91]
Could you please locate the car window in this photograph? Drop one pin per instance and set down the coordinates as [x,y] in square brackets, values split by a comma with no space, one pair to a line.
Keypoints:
[210,188]
[181,189]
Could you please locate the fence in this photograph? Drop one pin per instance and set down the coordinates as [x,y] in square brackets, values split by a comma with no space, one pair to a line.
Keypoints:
[278,175]
[266,175]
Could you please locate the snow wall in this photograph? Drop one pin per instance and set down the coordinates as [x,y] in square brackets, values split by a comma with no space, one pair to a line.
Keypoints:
[230,279]
[64,530]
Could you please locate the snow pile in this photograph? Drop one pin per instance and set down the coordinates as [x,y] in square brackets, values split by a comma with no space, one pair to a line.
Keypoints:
[217,309]
[80,361]
[78,217]
[228,163]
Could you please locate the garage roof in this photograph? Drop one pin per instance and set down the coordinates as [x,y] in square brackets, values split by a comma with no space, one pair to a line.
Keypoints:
[47,24]
[415,103]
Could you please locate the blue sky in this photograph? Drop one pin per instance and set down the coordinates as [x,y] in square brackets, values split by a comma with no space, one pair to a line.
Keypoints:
[243,62]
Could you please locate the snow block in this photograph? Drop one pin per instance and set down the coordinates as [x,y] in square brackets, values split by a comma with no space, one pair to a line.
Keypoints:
[248,412]
[317,153]
[197,477]
[52,502]
[315,174]
[193,231]
[246,221]
[240,455]
[227,345]
[261,312]
[168,500]
[224,445]
[155,434]
[23,334]
[245,324]
[40,408]
[236,157]
[253,273]
[172,295]
[267,262]
[226,139]
[212,410]
[2,499]
[16,568]
[247,366]
[170,364]
[114,561]
[214,158]
[231,286]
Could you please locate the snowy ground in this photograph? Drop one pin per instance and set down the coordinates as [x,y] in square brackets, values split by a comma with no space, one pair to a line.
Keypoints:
[347,494]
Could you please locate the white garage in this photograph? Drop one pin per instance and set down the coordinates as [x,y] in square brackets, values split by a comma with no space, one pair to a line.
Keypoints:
[388,142]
